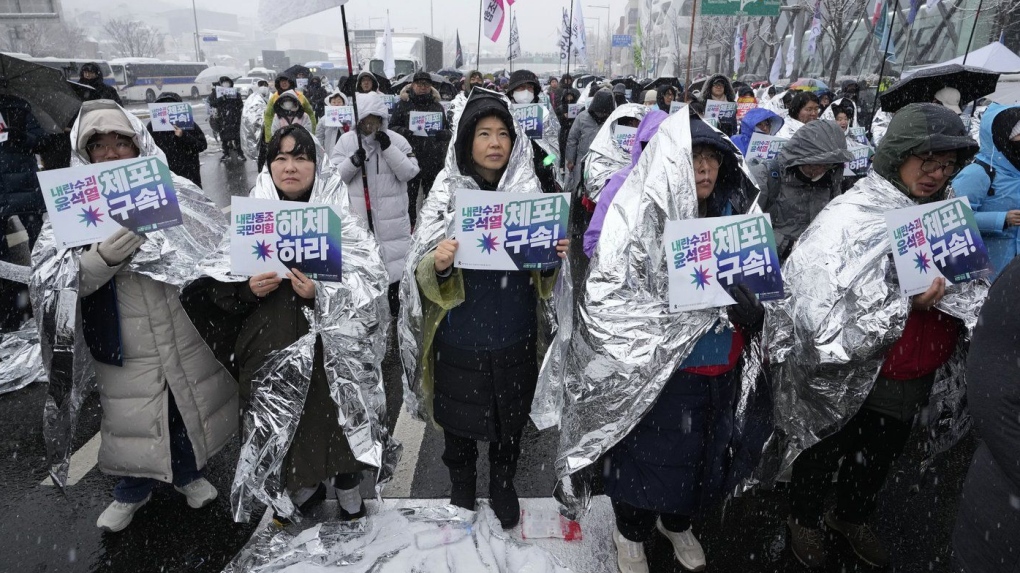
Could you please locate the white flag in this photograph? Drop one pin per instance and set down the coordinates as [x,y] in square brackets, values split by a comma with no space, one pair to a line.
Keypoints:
[513,48]
[789,58]
[492,19]
[274,13]
[564,33]
[738,46]
[580,42]
[816,29]
[932,3]
[389,63]
[777,67]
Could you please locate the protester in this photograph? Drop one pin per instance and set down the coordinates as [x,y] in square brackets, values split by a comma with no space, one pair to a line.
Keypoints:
[718,88]
[803,108]
[19,188]
[758,120]
[316,96]
[566,97]
[284,85]
[430,150]
[287,110]
[583,132]
[620,94]
[524,89]
[950,98]
[985,537]
[607,153]
[665,96]
[886,368]
[326,134]
[646,130]
[552,91]
[992,184]
[252,124]
[181,146]
[800,182]
[851,90]
[474,360]
[824,98]
[844,112]
[91,75]
[229,107]
[651,99]
[168,405]
[273,307]
[388,161]
[367,83]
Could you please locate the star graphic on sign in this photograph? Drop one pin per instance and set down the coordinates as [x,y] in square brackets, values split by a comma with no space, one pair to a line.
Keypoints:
[488,243]
[162,120]
[262,250]
[701,278]
[921,262]
[91,217]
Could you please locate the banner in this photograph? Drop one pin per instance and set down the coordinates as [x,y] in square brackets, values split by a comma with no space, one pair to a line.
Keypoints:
[425,123]
[763,147]
[275,236]
[622,41]
[165,116]
[509,231]
[89,203]
[740,7]
[531,118]
[816,28]
[937,239]
[458,61]
[513,47]
[625,137]
[222,92]
[384,51]
[720,109]
[707,256]
[339,116]
[273,13]
[492,19]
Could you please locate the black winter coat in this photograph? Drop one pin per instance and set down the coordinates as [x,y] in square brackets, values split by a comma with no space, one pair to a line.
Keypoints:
[19,188]
[230,109]
[430,151]
[182,152]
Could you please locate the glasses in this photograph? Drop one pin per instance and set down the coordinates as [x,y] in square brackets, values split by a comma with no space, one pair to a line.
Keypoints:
[708,158]
[121,146]
[929,166]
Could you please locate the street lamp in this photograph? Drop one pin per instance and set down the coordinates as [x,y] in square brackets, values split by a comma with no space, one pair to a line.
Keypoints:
[609,33]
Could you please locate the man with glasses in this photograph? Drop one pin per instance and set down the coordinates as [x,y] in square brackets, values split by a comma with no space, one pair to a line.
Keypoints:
[882,352]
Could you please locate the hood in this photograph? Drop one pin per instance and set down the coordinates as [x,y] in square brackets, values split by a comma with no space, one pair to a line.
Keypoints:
[817,143]
[225,79]
[521,77]
[732,177]
[334,94]
[841,104]
[646,130]
[706,91]
[406,94]
[368,74]
[619,89]
[605,155]
[372,104]
[569,92]
[105,116]
[916,129]
[288,95]
[94,68]
[660,98]
[168,97]
[996,148]
[758,115]
[279,79]
[481,104]
[602,104]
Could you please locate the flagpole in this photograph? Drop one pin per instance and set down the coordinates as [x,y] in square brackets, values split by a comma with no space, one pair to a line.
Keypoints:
[510,37]
[478,53]
[885,56]
[690,53]
[972,30]
[570,37]
[354,104]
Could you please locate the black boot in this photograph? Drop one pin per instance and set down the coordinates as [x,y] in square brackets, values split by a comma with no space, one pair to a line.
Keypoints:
[463,485]
[502,493]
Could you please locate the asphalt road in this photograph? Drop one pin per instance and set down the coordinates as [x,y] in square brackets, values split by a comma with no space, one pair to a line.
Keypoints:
[44,530]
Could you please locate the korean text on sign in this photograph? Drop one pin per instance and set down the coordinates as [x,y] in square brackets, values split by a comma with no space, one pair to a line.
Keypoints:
[529,116]
[425,123]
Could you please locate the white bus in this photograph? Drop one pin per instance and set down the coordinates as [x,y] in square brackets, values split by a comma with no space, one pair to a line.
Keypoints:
[146,78]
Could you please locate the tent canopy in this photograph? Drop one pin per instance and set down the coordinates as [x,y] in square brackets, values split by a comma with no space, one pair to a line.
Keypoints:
[994,57]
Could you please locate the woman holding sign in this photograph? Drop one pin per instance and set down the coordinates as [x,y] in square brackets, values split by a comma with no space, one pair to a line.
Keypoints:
[856,333]
[470,336]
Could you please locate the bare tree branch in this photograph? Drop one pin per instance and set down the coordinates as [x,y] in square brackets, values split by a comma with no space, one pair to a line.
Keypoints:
[134,39]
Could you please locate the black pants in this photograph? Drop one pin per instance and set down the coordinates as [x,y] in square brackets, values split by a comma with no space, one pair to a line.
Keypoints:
[461,455]
[423,180]
[868,444]
[393,297]
[638,524]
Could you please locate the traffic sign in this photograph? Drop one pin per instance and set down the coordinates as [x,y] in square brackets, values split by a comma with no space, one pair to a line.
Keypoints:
[740,7]
[210,38]
[622,40]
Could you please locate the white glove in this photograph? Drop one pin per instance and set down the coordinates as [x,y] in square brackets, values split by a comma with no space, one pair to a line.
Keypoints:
[119,246]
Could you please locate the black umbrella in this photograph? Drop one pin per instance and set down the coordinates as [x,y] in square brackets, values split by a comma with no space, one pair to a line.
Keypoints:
[451,74]
[663,81]
[350,85]
[973,83]
[440,82]
[293,71]
[53,101]
[629,84]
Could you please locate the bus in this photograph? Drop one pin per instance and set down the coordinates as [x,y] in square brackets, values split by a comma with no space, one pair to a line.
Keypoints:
[146,78]
[72,68]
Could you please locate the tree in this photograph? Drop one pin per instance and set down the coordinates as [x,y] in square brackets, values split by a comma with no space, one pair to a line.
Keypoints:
[134,39]
[840,19]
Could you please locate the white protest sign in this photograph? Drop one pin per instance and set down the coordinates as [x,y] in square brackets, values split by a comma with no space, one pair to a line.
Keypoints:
[530,117]
[676,106]
[88,203]
[624,137]
[862,158]
[720,109]
[763,147]
[164,116]
[425,123]
[501,231]
[338,116]
[391,103]
[933,240]
[225,92]
[573,109]
[302,84]
[705,257]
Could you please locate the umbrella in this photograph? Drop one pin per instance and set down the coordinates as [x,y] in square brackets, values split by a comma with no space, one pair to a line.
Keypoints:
[630,84]
[441,83]
[451,74]
[921,87]
[350,85]
[293,71]
[698,85]
[809,85]
[663,81]
[212,75]
[54,103]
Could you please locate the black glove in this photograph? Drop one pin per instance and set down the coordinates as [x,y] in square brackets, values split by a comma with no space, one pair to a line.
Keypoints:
[748,312]
[358,159]
[383,139]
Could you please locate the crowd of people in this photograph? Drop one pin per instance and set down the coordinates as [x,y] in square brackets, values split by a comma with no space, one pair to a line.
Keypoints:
[651,399]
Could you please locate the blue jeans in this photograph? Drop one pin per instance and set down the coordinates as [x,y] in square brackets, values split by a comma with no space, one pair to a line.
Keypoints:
[182,462]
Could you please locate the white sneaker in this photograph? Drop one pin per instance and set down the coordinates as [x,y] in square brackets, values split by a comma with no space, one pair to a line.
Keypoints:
[686,547]
[630,555]
[200,493]
[118,515]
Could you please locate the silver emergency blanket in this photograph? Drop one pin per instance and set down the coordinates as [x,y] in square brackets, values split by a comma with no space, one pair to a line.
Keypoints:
[879,125]
[435,223]
[386,542]
[252,121]
[20,358]
[170,256]
[829,337]
[352,319]
[606,370]
[831,116]
[605,156]
[776,105]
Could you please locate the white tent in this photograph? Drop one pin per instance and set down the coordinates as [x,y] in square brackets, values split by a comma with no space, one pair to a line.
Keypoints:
[994,57]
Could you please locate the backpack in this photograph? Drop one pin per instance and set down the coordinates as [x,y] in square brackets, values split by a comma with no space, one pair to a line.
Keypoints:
[990,172]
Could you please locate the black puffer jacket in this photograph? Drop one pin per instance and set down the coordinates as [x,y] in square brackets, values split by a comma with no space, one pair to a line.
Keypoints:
[100,90]
[230,108]
[430,151]
[726,125]
[181,152]
[19,188]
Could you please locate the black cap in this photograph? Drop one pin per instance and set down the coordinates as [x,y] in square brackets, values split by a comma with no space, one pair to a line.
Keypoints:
[168,97]
[422,77]
[522,77]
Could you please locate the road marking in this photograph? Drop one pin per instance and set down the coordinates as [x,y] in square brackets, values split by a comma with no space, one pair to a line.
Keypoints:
[408,432]
[82,461]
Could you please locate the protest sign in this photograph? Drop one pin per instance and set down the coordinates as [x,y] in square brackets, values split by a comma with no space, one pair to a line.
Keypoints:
[573,109]
[628,94]
[676,106]
[165,116]
[87,204]
[391,103]
[625,136]
[862,158]
[530,117]
[745,106]
[711,121]
[707,256]
[509,231]
[4,133]
[302,84]
[937,239]
[225,92]
[858,134]
[763,147]
[338,116]
[425,123]
[720,109]
[275,236]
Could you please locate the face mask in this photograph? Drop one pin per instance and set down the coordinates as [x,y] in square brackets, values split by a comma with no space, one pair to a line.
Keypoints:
[264,91]
[524,96]
[225,84]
